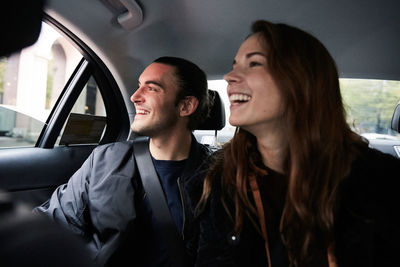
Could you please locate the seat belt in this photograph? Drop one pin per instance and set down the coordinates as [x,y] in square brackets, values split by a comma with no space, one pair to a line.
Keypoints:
[158,202]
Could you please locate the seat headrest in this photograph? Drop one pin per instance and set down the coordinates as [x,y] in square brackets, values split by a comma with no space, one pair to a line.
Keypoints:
[396,119]
[216,117]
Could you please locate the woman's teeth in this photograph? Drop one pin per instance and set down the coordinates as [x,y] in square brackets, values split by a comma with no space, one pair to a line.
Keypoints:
[236,98]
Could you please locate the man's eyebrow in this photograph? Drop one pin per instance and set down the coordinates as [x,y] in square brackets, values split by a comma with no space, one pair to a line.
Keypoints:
[152,82]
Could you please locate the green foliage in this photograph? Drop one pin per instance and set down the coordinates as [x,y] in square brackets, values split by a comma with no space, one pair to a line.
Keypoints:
[370,103]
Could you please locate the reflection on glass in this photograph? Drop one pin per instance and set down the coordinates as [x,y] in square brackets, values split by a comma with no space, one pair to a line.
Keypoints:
[31,81]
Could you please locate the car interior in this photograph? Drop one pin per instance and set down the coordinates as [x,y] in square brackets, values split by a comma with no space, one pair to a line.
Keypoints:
[85,66]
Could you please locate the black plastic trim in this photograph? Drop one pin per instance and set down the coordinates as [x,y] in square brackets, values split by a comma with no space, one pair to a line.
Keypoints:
[64,105]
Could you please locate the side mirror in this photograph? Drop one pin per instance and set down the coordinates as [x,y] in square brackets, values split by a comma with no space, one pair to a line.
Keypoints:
[396,119]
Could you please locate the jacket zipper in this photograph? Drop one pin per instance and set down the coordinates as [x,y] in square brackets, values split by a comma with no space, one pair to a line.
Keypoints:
[183,207]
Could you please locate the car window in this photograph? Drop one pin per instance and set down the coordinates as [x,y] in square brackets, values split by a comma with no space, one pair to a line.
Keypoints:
[31,81]
[369,106]
[89,103]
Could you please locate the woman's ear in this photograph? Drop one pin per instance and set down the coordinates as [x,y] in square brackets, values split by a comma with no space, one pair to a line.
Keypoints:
[188,106]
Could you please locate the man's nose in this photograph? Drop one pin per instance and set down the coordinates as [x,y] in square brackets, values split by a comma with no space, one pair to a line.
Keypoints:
[137,96]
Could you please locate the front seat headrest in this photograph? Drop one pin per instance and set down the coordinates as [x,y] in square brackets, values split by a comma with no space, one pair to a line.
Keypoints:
[216,117]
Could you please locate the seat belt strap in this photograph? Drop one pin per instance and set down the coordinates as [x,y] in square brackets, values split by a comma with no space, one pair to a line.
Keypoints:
[158,202]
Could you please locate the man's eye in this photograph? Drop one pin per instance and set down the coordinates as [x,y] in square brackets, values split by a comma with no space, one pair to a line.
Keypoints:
[152,89]
[254,64]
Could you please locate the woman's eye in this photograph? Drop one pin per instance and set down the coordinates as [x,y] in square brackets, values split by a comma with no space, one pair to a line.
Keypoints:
[254,64]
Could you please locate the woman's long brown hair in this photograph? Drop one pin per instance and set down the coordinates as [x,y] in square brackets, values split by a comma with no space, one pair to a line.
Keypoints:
[321,145]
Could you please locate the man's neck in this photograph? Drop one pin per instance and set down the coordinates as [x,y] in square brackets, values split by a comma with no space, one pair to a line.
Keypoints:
[171,147]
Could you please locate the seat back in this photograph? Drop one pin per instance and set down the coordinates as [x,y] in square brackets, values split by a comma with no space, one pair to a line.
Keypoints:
[216,118]
[215,121]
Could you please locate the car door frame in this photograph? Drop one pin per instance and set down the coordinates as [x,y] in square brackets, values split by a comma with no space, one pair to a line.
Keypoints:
[32,173]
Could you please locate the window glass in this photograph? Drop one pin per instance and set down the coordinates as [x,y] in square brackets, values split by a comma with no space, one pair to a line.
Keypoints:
[369,106]
[31,81]
[89,103]
[90,100]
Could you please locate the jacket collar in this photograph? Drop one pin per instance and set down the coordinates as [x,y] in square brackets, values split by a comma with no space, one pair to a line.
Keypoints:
[198,153]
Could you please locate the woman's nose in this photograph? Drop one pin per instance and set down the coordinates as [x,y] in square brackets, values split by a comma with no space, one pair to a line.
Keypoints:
[232,77]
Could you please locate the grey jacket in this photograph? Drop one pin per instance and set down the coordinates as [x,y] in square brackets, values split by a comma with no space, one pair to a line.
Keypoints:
[101,200]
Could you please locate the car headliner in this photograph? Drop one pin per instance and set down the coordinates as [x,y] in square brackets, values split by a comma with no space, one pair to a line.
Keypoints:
[362,35]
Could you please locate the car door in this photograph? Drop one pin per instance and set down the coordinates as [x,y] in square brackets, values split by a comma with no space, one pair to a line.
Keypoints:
[89,110]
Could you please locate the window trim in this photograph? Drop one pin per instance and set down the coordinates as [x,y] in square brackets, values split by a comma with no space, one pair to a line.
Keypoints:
[64,105]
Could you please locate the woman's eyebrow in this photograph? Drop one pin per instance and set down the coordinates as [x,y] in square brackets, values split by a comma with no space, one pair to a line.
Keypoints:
[249,55]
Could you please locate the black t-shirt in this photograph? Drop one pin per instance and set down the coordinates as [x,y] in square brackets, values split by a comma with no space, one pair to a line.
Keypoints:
[169,172]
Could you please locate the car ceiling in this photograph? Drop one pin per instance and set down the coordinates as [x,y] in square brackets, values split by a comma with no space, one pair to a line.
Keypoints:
[362,35]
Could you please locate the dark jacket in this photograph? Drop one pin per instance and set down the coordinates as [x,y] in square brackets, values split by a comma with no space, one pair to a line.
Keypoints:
[104,202]
[366,232]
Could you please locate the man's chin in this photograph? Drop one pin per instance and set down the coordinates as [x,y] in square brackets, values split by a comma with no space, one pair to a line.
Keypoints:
[135,129]
[141,131]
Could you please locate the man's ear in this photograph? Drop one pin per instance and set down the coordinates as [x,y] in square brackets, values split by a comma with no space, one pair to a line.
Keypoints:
[188,106]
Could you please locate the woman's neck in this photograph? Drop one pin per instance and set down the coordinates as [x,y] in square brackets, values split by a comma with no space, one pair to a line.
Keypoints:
[273,149]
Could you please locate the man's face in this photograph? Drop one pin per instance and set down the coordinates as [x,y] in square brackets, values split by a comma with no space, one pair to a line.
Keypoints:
[155,101]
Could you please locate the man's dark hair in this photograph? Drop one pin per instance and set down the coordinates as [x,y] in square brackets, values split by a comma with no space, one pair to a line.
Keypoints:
[192,82]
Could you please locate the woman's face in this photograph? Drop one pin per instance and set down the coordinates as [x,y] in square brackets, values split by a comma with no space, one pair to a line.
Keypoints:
[256,102]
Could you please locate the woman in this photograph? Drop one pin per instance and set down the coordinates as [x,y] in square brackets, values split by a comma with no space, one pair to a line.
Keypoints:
[295,186]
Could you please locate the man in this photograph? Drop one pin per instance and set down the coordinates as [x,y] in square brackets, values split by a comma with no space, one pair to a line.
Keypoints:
[104,200]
